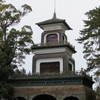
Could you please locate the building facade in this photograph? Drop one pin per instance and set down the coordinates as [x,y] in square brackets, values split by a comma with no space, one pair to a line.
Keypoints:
[53,68]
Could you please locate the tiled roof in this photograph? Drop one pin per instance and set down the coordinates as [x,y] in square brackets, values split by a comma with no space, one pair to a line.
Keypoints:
[54,20]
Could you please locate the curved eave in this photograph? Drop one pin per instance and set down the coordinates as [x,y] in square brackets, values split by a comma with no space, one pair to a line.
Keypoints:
[53,21]
[58,76]
[53,46]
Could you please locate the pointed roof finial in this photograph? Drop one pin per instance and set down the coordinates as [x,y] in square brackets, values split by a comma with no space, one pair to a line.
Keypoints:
[54,20]
[54,15]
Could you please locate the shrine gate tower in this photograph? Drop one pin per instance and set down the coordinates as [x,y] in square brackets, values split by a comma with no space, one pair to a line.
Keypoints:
[53,68]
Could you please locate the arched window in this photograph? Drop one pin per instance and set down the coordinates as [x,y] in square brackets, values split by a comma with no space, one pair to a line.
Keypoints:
[64,37]
[52,38]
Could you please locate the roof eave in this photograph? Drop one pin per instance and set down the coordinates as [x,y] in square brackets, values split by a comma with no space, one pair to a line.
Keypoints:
[67,27]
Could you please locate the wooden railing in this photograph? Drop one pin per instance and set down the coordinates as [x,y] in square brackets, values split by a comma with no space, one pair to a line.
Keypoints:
[55,74]
[54,44]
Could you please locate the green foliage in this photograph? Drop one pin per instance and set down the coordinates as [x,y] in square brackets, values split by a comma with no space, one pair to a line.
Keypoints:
[6,91]
[98,92]
[2,1]
[19,73]
[90,37]
[14,44]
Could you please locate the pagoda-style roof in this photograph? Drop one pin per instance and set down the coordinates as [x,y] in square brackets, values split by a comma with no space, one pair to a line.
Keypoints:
[54,20]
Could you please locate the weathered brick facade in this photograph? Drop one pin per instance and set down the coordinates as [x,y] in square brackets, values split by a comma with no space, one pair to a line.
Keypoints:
[58,92]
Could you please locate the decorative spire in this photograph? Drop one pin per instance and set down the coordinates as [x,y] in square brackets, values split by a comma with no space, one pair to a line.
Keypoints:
[54,15]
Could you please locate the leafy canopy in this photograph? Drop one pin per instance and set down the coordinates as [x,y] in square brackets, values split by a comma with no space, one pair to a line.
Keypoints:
[90,38]
[14,44]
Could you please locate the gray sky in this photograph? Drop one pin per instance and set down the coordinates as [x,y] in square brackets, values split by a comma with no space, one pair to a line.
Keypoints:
[71,10]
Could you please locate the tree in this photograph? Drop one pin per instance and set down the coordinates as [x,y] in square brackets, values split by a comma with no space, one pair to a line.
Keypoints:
[90,37]
[98,92]
[14,44]
[21,72]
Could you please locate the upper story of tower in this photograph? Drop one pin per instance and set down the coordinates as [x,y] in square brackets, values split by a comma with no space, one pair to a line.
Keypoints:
[53,34]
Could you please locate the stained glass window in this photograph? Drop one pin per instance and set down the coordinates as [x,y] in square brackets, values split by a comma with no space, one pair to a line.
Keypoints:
[52,38]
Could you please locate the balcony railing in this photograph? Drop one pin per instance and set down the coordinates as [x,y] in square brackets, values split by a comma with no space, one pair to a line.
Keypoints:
[53,74]
[55,44]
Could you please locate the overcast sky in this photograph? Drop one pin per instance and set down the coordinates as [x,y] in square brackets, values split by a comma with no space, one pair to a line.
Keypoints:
[73,11]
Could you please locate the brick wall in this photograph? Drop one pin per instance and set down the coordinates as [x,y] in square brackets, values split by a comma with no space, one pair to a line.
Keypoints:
[58,92]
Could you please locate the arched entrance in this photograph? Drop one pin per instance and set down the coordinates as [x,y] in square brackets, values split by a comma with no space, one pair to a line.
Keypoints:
[19,98]
[44,97]
[71,98]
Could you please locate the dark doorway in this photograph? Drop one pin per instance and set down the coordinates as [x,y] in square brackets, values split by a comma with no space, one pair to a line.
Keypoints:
[50,67]
[44,97]
[19,98]
[71,98]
